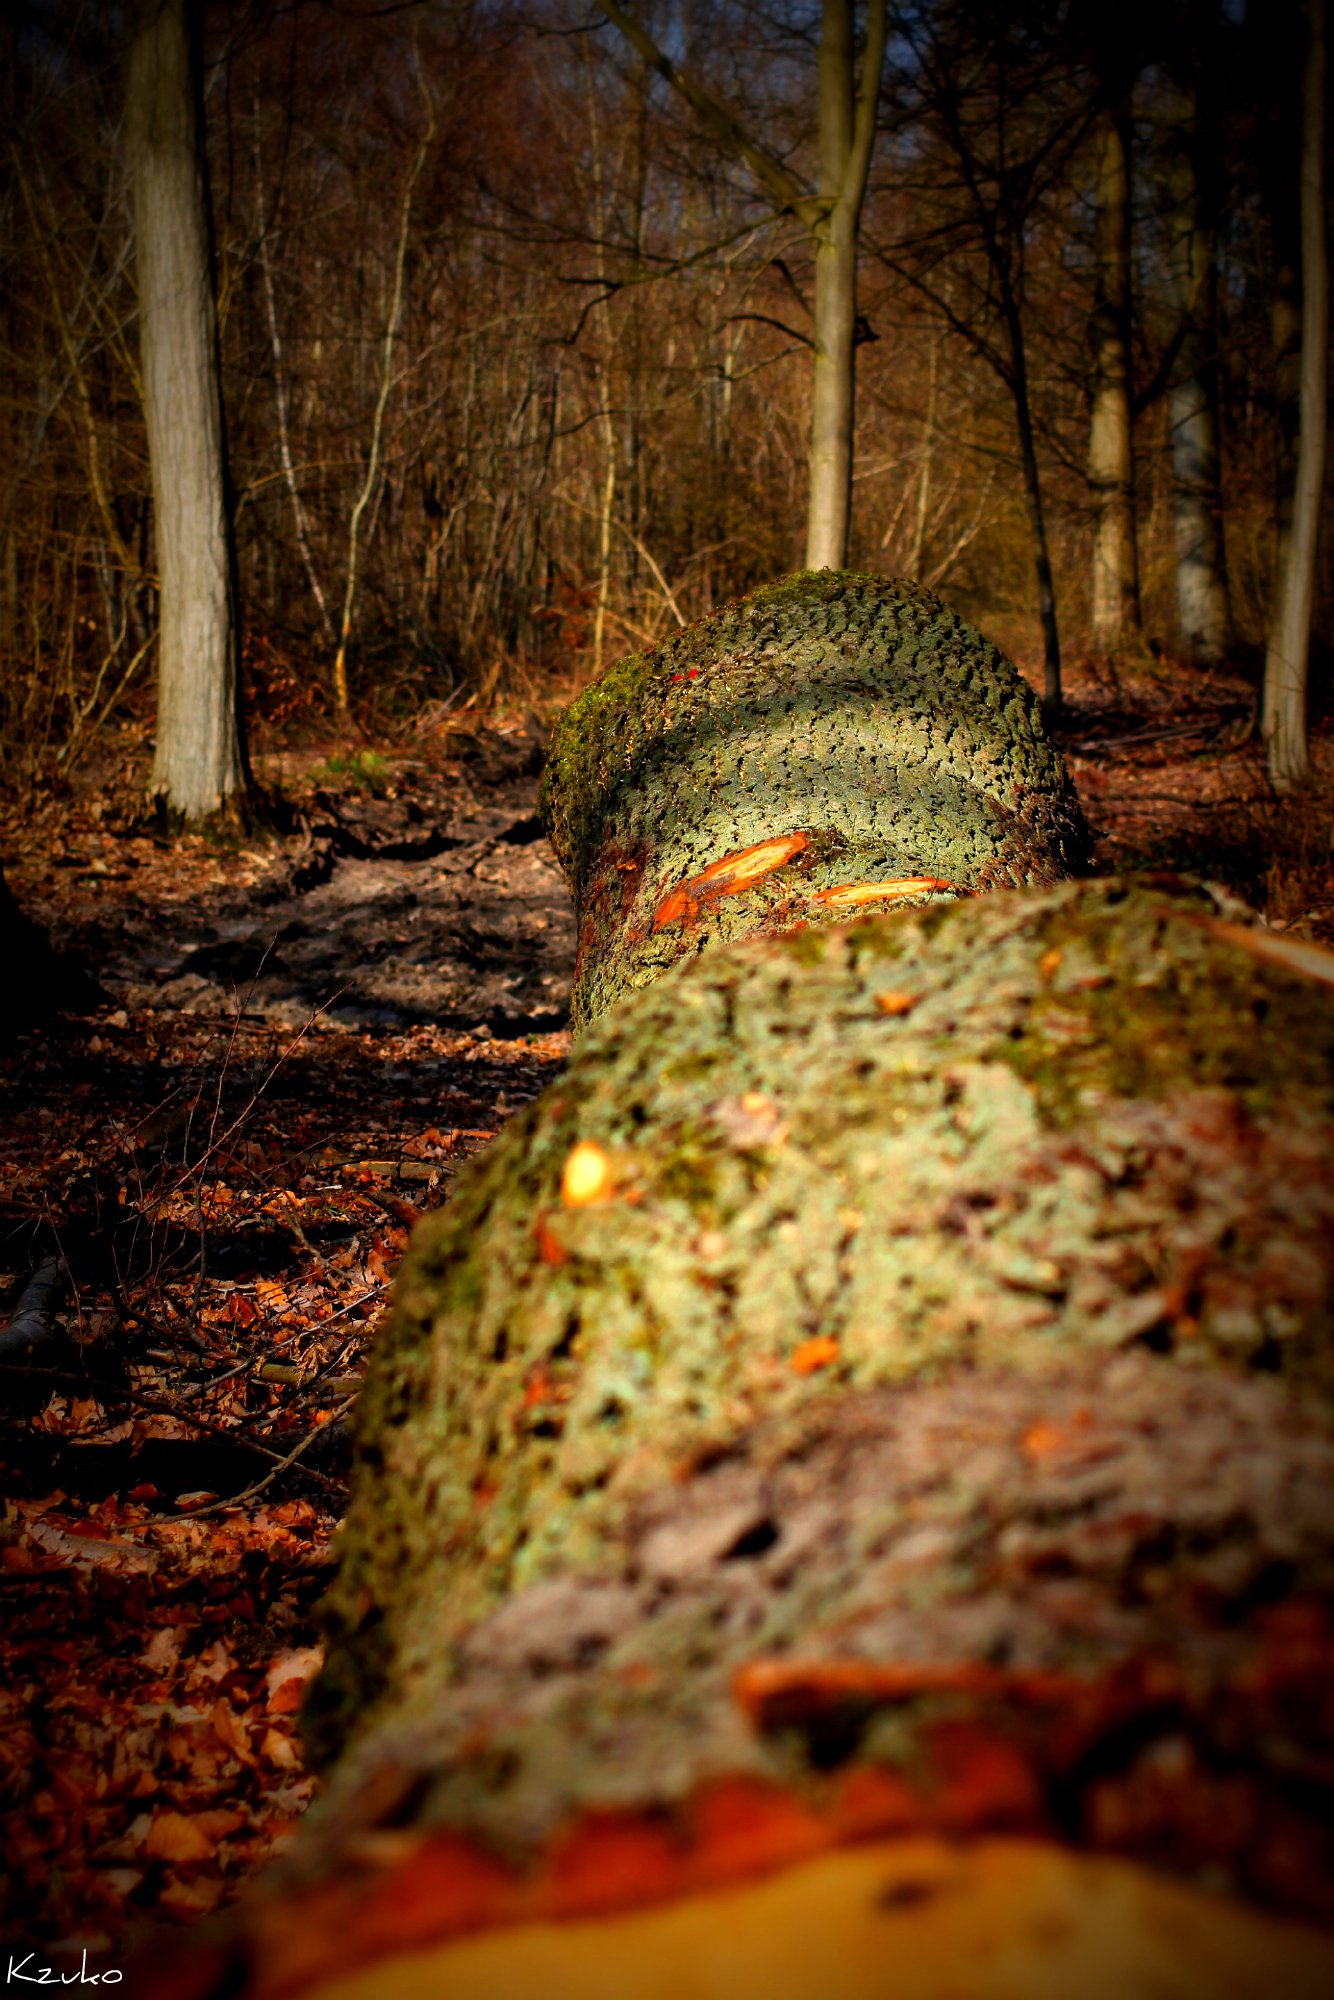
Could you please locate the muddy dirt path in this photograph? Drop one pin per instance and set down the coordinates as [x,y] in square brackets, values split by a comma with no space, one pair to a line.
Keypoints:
[440,902]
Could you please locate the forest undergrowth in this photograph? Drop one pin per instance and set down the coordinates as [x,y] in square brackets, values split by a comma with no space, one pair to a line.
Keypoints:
[217,1167]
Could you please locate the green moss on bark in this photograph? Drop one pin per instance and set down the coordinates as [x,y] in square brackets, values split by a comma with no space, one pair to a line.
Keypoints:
[860,715]
[985,1136]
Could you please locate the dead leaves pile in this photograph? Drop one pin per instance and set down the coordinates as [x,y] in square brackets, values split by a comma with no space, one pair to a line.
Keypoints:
[148,1750]
[155,1644]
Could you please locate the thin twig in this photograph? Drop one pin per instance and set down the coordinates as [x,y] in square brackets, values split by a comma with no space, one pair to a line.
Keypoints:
[259,1486]
[108,1392]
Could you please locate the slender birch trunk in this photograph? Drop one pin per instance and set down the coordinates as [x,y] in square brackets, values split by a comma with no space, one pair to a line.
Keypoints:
[1287,658]
[199,760]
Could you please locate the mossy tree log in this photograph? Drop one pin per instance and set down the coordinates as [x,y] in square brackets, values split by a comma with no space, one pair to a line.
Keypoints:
[830,744]
[880,1394]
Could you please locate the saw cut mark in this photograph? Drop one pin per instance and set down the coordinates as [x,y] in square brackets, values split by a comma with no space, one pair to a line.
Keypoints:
[725,877]
[850,894]
[777,1692]
[1311,960]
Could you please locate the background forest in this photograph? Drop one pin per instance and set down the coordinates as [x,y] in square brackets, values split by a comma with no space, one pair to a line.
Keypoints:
[516,355]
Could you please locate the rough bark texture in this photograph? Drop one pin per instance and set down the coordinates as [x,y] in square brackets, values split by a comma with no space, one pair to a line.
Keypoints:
[848,107]
[831,733]
[917,1430]
[198,761]
[990,1150]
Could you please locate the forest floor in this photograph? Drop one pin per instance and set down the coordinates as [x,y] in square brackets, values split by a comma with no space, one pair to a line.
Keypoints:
[300,1039]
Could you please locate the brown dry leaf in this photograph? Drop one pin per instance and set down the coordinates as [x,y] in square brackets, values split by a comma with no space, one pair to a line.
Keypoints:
[85,1551]
[188,1900]
[214,1665]
[231,1731]
[178,1837]
[279,1750]
[287,1677]
[163,1650]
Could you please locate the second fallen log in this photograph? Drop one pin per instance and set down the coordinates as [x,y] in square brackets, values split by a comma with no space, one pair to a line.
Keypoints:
[833,744]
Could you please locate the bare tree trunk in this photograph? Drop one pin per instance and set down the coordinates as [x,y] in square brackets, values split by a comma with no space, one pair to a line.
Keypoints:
[341,685]
[1202,595]
[1287,658]
[842,185]
[199,760]
[300,520]
[918,546]
[848,106]
[1115,567]
[1017,380]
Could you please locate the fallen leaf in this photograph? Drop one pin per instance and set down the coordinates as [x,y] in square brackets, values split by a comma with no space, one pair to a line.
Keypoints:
[175,1836]
[279,1750]
[231,1732]
[214,1665]
[287,1677]
[188,1900]
[163,1649]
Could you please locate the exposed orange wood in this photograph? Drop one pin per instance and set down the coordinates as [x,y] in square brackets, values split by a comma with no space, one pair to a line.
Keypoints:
[587,1176]
[723,878]
[820,1351]
[764,1686]
[850,894]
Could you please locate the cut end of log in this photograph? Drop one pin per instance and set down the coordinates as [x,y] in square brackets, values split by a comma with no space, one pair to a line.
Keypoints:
[898,1919]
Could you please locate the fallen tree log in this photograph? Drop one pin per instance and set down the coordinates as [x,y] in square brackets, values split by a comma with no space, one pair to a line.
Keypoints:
[830,744]
[878,1399]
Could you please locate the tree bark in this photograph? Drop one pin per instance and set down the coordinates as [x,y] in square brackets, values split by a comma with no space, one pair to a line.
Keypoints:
[1116,613]
[1287,656]
[1037,519]
[199,760]
[831,743]
[847,130]
[1203,610]
[882,1389]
